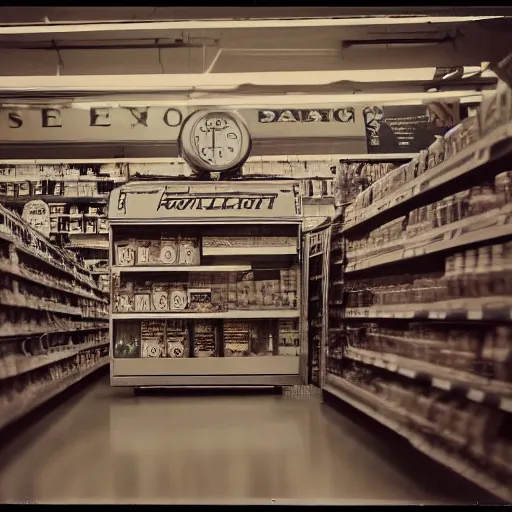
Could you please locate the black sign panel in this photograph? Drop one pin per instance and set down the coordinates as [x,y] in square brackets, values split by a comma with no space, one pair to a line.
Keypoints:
[407,129]
[321,115]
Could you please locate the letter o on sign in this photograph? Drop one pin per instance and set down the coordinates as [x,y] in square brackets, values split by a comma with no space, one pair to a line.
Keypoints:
[173,117]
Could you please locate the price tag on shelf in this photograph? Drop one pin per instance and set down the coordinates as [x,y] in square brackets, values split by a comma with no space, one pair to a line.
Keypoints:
[476,395]
[441,384]
[407,373]
[506,404]
[392,367]
[475,314]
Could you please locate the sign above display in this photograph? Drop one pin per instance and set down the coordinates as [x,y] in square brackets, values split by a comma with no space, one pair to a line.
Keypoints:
[203,201]
[161,123]
[407,129]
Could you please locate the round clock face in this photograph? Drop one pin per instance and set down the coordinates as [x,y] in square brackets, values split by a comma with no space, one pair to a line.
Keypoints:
[215,141]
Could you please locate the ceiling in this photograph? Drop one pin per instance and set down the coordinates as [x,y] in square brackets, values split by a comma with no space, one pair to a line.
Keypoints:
[31,14]
[149,48]
[230,53]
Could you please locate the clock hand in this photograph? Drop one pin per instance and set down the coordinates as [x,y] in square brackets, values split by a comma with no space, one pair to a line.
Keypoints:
[213,144]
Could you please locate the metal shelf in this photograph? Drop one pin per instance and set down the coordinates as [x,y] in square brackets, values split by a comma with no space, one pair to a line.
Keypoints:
[25,364]
[386,413]
[187,314]
[178,268]
[422,189]
[34,400]
[57,330]
[490,309]
[475,388]
[482,228]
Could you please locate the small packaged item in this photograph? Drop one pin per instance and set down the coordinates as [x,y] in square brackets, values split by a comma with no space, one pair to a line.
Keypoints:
[125,253]
[124,299]
[189,253]
[160,297]
[153,338]
[142,296]
[178,298]
[204,338]
[168,251]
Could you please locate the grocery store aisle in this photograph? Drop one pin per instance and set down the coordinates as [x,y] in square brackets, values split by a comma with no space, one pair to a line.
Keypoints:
[104,445]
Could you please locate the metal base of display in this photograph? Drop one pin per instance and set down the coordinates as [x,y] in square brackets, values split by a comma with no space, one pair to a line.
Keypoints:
[211,371]
[206,380]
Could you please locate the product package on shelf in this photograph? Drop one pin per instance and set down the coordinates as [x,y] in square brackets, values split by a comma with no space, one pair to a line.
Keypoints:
[161,294]
[289,337]
[236,338]
[420,339]
[152,334]
[125,253]
[142,297]
[169,251]
[127,340]
[177,339]
[205,336]
[148,252]
[123,296]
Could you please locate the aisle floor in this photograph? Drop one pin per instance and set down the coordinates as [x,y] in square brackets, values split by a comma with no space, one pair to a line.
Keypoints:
[104,445]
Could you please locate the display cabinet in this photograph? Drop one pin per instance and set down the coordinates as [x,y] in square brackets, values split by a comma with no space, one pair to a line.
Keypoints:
[316,278]
[205,283]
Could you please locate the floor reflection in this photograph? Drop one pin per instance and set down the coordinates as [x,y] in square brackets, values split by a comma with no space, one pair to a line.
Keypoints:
[107,446]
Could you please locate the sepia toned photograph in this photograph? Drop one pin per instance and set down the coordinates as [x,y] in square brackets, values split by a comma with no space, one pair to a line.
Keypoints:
[255,255]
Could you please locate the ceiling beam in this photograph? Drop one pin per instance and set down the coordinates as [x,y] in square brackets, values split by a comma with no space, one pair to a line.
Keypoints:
[32,14]
[233,24]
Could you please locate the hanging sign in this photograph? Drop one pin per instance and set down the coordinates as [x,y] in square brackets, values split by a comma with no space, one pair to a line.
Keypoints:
[37,214]
[407,129]
[160,123]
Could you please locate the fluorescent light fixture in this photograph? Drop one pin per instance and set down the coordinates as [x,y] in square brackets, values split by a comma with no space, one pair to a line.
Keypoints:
[49,28]
[287,101]
[215,81]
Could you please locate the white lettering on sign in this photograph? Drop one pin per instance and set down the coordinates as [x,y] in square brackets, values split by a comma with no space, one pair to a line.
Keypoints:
[338,115]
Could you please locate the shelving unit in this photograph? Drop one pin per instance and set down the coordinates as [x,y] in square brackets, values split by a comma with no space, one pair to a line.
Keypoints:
[420,334]
[54,319]
[206,283]
[76,195]
[316,252]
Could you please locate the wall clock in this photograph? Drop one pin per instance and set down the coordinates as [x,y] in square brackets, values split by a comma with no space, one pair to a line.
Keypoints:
[214,141]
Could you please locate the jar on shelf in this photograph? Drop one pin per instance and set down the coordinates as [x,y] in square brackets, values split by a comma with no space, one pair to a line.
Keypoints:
[469,285]
[483,276]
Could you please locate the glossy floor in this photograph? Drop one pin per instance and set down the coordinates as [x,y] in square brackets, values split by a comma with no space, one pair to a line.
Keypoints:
[104,445]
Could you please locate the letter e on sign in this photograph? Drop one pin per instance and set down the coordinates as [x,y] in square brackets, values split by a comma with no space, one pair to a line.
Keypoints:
[51,118]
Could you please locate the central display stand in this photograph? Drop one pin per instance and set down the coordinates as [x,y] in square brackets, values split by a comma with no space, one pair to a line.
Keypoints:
[205,283]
